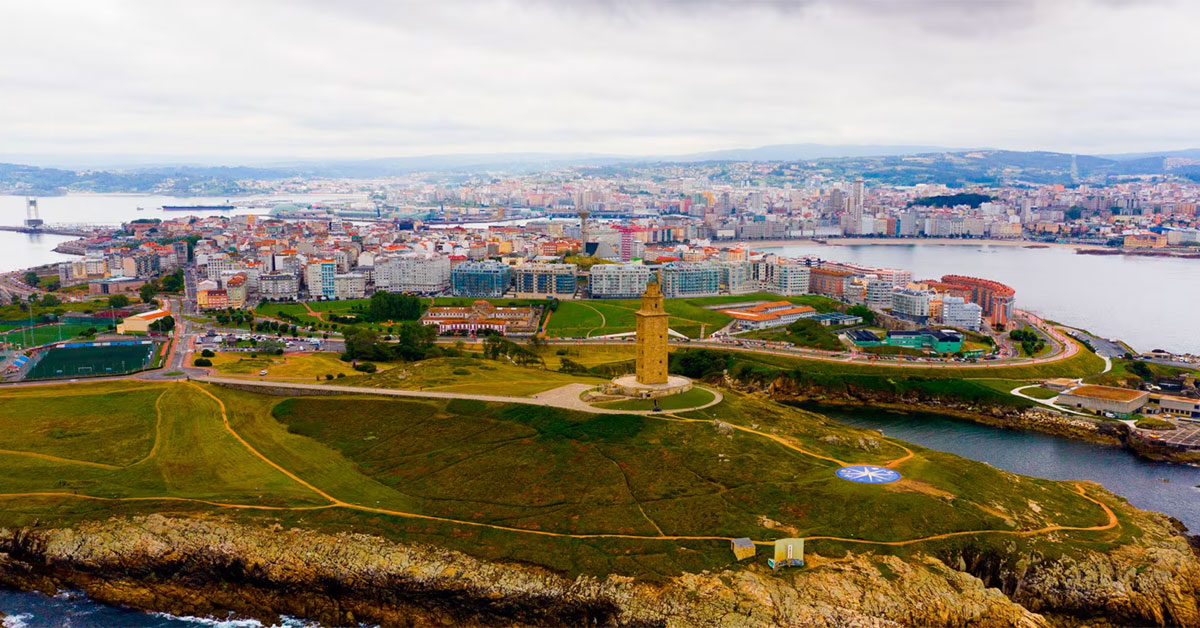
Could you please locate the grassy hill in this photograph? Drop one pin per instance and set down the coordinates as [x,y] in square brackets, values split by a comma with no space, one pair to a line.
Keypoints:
[645,496]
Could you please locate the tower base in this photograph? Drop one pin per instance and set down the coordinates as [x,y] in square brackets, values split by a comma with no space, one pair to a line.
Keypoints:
[628,386]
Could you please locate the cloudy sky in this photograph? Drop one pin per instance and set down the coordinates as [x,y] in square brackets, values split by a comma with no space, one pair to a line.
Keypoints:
[246,80]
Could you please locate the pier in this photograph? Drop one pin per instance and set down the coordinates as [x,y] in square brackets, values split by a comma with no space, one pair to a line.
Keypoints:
[52,230]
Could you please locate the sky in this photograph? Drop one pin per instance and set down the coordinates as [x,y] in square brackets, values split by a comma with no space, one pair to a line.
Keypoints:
[238,81]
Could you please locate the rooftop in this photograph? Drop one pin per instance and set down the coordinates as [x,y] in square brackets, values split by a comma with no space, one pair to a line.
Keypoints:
[1107,393]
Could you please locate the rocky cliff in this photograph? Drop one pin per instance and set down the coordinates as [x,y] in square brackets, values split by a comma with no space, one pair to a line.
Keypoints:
[204,566]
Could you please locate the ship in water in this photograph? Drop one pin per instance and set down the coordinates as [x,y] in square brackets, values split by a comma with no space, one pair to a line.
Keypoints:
[196,208]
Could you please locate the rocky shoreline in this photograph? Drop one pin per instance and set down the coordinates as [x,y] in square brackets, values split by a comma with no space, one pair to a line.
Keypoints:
[188,566]
[1110,433]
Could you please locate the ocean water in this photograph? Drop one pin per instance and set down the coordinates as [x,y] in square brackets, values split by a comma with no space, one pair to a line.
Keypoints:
[1168,488]
[75,610]
[1149,302]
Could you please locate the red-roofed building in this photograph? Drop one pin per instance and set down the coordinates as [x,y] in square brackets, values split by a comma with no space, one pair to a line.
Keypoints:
[768,315]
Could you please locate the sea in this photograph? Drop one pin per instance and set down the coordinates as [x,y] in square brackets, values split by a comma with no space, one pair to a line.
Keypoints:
[72,609]
[1148,302]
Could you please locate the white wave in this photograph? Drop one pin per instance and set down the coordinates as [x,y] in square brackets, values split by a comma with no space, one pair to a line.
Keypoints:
[287,622]
[17,621]
[210,621]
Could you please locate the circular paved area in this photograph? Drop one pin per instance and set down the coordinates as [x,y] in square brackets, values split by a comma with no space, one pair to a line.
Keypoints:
[868,474]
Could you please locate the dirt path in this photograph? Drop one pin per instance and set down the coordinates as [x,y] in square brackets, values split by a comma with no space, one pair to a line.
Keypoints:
[338,503]
[603,319]
[1112,523]
[48,457]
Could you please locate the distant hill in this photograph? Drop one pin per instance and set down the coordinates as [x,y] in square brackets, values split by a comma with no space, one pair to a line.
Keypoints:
[880,164]
[798,152]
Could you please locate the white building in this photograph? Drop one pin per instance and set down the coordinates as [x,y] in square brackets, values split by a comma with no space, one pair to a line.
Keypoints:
[912,303]
[350,286]
[279,285]
[736,277]
[618,281]
[319,278]
[956,312]
[413,273]
[791,279]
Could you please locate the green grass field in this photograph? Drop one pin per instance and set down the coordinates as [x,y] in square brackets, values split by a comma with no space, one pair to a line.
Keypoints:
[1040,393]
[495,473]
[307,367]
[690,317]
[802,333]
[347,307]
[690,399]
[1083,364]
[468,375]
[43,334]
[89,361]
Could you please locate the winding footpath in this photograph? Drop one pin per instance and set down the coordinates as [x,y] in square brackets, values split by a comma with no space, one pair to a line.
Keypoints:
[335,502]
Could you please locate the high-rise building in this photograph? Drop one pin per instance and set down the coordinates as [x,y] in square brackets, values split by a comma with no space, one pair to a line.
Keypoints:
[413,273]
[536,280]
[912,304]
[618,281]
[691,279]
[791,279]
[480,279]
[318,278]
[957,312]
[854,207]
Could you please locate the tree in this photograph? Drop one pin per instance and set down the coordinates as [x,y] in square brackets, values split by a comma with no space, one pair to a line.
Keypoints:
[364,344]
[148,290]
[415,341]
[50,300]
[172,283]
[207,353]
[699,363]
[390,306]
[571,366]
[164,324]
[31,278]
[118,301]
[863,312]
[1140,369]
[202,362]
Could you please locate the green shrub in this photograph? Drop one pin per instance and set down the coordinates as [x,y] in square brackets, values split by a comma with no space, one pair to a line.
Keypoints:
[202,362]
[366,367]
[461,372]
[208,353]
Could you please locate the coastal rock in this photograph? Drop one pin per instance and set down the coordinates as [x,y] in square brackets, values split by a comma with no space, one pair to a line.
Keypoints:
[194,566]
[211,566]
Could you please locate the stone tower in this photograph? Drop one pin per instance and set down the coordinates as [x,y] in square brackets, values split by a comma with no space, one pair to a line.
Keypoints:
[652,337]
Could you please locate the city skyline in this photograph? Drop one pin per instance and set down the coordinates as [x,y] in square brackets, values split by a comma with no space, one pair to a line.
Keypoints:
[371,79]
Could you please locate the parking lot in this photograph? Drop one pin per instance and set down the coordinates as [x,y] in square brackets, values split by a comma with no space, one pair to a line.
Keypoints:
[1188,436]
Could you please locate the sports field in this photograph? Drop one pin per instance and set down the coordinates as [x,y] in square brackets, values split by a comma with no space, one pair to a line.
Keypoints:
[87,361]
[44,334]
[645,496]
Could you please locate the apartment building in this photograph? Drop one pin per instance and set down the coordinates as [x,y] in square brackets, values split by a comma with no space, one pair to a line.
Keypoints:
[413,273]
[480,279]
[618,281]
[958,312]
[690,279]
